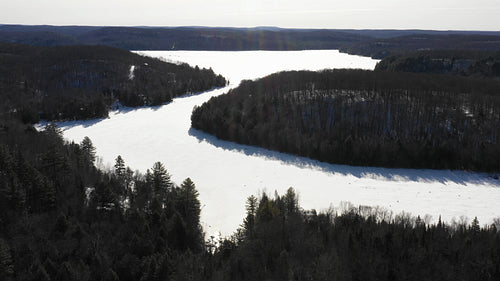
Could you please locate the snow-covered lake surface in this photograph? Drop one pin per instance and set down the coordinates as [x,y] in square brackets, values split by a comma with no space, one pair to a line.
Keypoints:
[225,173]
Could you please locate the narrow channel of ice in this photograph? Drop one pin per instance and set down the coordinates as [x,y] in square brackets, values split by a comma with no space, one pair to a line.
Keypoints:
[226,173]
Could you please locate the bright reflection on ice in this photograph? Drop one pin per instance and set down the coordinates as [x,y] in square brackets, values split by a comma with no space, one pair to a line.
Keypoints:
[239,65]
[226,173]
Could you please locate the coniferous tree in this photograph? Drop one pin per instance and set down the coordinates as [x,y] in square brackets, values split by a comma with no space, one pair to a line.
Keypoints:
[188,205]
[291,201]
[119,166]
[161,183]
[475,225]
[88,149]
[187,202]
[251,207]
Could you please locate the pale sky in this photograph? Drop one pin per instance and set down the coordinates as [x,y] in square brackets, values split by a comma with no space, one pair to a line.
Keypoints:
[352,14]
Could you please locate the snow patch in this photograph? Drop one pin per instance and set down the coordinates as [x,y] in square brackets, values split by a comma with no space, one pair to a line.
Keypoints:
[131,72]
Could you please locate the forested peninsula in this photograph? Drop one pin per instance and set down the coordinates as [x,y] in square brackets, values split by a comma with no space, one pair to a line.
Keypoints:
[83,82]
[355,117]
[451,62]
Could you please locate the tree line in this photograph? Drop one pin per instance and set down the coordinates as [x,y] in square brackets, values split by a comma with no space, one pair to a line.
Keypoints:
[356,117]
[454,62]
[416,41]
[82,82]
[280,241]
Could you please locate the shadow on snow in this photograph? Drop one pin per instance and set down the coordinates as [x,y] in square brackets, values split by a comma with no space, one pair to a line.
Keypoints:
[391,174]
[120,110]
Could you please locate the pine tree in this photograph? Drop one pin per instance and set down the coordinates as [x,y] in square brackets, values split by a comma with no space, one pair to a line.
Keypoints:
[251,207]
[119,167]
[475,226]
[291,201]
[161,182]
[188,203]
[88,150]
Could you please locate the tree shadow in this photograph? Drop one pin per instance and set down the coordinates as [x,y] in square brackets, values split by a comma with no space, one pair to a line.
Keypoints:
[389,174]
[188,95]
[121,109]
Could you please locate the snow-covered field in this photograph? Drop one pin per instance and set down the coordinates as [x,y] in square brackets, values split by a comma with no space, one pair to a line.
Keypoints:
[226,173]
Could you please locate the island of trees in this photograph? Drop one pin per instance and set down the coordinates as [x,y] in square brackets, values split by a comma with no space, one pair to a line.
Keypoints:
[355,117]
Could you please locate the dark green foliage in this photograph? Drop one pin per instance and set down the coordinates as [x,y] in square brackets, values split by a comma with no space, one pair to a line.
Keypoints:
[160,181]
[465,63]
[82,82]
[384,47]
[188,206]
[86,224]
[88,149]
[356,117]
[100,228]
[358,244]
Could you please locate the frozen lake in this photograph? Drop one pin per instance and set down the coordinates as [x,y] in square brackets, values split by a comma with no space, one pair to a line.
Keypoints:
[225,173]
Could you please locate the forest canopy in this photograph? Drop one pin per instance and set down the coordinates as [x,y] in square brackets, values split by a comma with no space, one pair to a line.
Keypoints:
[465,63]
[83,82]
[356,117]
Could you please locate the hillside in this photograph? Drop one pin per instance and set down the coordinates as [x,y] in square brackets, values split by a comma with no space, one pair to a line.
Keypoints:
[180,38]
[373,43]
[383,47]
[81,82]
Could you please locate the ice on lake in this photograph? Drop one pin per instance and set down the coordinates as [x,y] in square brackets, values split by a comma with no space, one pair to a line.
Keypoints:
[226,173]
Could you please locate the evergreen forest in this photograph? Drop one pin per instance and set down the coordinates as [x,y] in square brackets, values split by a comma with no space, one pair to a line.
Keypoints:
[368,118]
[63,219]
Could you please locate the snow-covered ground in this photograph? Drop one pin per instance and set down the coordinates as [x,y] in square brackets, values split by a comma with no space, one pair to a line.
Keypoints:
[226,173]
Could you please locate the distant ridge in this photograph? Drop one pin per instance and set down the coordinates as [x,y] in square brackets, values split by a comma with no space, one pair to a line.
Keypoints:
[375,43]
